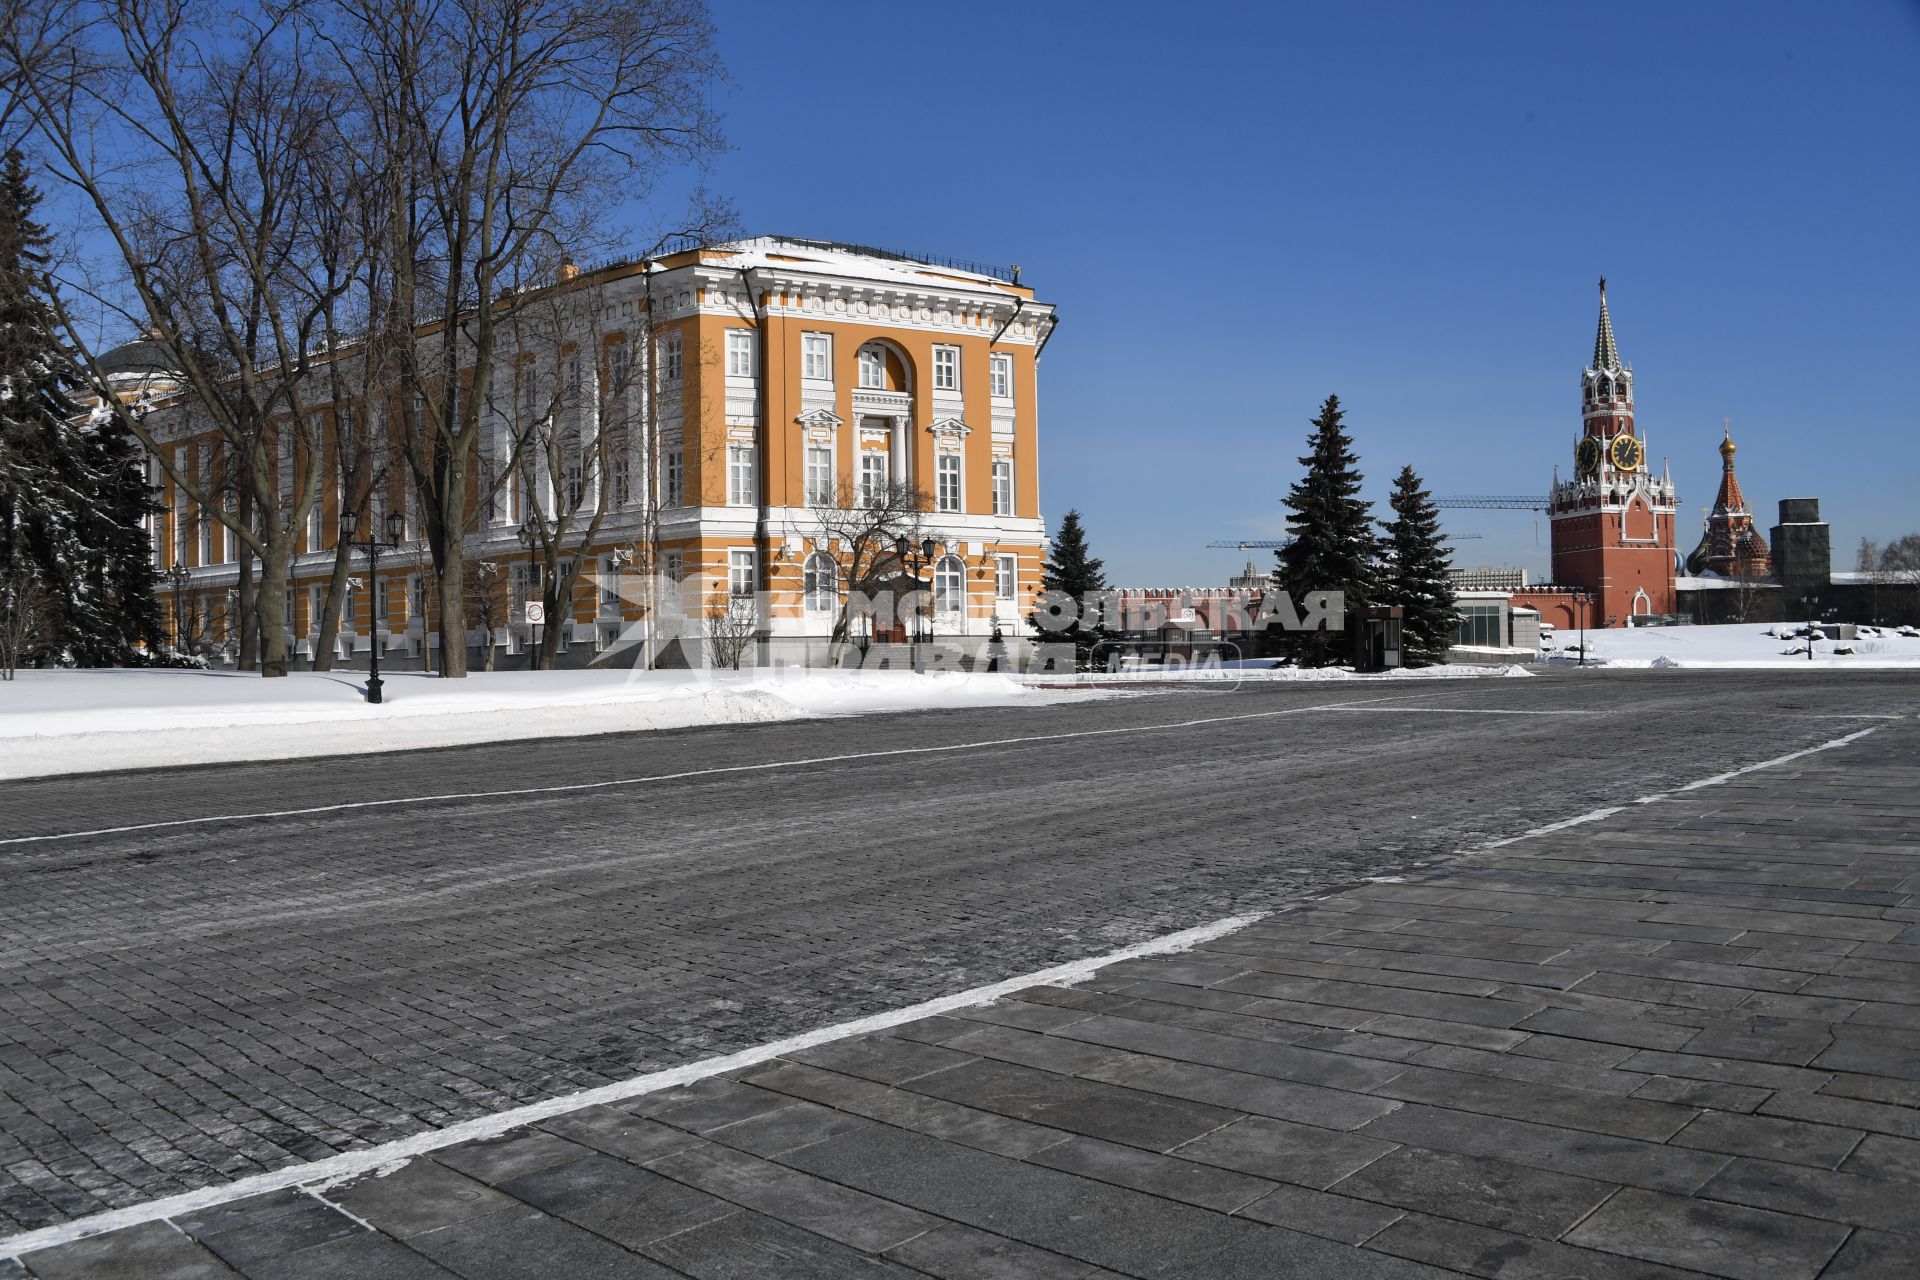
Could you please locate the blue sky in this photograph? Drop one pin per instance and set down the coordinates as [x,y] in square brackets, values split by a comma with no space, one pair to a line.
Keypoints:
[1241,208]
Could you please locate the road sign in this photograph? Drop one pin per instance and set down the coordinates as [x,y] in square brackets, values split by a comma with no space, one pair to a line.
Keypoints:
[536,613]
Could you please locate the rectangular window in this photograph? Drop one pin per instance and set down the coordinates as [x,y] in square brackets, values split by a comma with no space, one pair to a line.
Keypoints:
[741,491]
[816,357]
[618,367]
[673,477]
[1006,570]
[574,379]
[875,468]
[316,608]
[819,474]
[739,353]
[1002,487]
[670,358]
[1000,374]
[531,410]
[609,586]
[948,473]
[674,564]
[946,368]
[740,572]
[873,369]
[1480,624]
[619,467]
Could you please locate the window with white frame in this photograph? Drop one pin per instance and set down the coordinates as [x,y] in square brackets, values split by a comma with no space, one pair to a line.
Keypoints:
[1002,487]
[816,357]
[674,565]
[821,583]
[609,587]
[947,481]
[819,474]
[619,467]
[1006,574]
[946,368]
[740,480]
[873,368]
[619,367]
[180,525]
[671,353]
[739,353]
[740,576]
[531,410]
[949,585]
[573,467]
[673,476]
[875,471]
[1000,375]
[316,608]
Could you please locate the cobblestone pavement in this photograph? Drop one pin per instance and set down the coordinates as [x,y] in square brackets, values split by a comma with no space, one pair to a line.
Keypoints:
[183,1006]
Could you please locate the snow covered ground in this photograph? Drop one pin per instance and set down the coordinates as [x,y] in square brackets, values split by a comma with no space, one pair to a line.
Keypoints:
[54,722]
[1736,645]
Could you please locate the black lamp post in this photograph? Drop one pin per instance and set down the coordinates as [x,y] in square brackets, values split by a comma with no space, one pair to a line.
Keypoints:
[904,550]
[1812,602]
[529,537]
[179,577]
[1580,602]
[396,530]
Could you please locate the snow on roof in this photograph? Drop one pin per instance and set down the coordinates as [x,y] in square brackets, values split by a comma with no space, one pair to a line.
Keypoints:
[863,262]
[1713,582]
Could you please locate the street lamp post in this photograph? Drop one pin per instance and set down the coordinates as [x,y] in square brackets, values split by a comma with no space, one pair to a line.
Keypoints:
[1812,602]
[905,549]
[396,529]
[529,537]
[1580,603]
[180,577]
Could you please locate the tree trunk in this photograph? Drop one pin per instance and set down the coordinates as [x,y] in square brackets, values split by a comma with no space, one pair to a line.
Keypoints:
[450,561]
[325,642]
[272,606]
[557,617]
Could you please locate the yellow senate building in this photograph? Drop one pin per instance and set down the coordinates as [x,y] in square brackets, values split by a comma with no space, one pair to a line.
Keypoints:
[721,417]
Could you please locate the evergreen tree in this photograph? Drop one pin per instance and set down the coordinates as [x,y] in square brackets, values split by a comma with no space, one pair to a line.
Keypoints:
[1072,572]
[1333,546]
[72,492]
[1415,576]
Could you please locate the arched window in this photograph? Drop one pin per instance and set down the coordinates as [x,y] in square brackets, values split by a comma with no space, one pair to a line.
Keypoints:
[1606,389]
[822,583]
[949,585]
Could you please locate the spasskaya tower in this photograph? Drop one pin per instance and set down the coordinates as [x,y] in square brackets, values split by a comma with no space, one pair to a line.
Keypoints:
[1613,533]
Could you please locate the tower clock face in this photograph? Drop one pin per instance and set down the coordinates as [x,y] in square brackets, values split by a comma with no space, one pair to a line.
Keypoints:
[1627,453]
[1586,458]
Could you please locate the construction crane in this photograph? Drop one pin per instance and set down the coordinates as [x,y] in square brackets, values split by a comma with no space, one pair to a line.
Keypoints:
[1492,502]
[1251,544]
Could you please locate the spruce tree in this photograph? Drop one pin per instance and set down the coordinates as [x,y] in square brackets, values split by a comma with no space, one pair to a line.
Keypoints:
[1070,570]
[1415,578]
[1333,546]
[72,491]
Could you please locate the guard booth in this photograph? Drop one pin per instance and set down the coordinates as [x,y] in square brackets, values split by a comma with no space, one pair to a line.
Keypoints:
[1376,637]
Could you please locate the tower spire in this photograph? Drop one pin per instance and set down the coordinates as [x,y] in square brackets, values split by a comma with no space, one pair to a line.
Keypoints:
[1606,355]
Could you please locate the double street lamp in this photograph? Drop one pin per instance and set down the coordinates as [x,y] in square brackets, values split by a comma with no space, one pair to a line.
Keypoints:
[396,530]
[904,549]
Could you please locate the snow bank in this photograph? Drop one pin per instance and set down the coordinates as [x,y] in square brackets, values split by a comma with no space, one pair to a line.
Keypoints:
[1738,646]
[55,722]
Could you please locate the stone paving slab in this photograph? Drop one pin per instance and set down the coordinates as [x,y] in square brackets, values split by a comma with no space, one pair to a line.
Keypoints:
[1459,1074]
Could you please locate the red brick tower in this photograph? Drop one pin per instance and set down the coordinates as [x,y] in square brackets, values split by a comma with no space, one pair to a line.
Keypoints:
[1613,532]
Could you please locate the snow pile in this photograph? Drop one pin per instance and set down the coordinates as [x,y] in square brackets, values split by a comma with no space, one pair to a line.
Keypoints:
[54,722]
[1739,645]
[1268,669]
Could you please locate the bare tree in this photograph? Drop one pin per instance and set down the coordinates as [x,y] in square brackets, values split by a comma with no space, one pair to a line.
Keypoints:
[487,604]
[26,619]
[732,624]
[859,530]
[196,158]
[502,129]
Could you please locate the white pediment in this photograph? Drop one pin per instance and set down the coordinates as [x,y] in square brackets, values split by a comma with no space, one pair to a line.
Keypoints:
[819,418]
[950,427]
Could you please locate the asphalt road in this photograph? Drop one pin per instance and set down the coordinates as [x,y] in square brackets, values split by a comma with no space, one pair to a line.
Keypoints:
[183,1005]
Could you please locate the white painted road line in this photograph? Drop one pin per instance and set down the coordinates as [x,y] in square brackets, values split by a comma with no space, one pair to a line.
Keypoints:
[352,1164]
[565,788]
